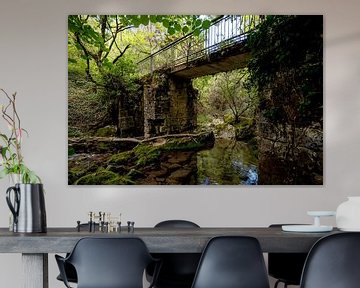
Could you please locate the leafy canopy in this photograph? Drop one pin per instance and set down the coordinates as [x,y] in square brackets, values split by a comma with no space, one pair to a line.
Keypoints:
[97,38]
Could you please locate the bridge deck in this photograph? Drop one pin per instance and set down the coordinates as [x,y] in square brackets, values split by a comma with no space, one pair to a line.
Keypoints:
[235,57]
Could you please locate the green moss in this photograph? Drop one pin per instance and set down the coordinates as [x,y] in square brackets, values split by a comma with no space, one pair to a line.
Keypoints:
[104,146]
[134,174]
[75,173]
[73,132]
[183,144]
[71,151]
[122,158]
[108,131]
[104,177]
[146,154]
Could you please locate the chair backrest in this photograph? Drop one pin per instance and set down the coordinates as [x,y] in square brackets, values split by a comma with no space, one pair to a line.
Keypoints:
[333,262]
[178,269]
[110,262]
[232,262]
[176,224]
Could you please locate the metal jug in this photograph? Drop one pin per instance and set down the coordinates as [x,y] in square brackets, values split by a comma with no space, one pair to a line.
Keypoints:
[28,207]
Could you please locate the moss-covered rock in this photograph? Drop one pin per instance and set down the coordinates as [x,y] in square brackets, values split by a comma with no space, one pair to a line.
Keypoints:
[146,154]
[83,164]
[195,143]
[107,131]
[75,173]
[140,164]
[104,177]
[135,174]
[122,158]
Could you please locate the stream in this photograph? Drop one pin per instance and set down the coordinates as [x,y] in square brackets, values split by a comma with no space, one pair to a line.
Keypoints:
[229,162]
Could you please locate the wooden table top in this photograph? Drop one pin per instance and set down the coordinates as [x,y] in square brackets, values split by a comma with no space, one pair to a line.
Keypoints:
[158,240]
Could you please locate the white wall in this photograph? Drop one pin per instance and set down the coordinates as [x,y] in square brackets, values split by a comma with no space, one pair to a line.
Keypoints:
[33,62]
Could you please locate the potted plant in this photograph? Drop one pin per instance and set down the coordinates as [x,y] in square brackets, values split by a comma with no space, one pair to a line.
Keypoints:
[26,197]
[11,158]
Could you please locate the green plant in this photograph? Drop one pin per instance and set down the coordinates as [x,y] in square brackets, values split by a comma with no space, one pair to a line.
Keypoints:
[12,161]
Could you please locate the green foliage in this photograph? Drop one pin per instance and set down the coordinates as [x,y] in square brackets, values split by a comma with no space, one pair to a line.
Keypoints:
[173,23]
[203,119]
[229,118]
[87,106]
[97,38]
[286,68]
[225,95]
[71,151]
[76,64]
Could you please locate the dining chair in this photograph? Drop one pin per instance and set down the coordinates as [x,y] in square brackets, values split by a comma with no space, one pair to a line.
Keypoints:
[108,263]
[333,262]
[177,269]
[69,269]
[231,262]
[285,267]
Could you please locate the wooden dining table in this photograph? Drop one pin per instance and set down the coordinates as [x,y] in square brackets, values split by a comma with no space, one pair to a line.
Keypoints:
[35,247]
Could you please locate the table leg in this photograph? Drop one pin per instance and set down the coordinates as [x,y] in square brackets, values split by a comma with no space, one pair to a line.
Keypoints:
[35,270]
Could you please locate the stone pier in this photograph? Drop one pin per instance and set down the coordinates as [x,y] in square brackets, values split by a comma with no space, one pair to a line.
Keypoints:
[169,105]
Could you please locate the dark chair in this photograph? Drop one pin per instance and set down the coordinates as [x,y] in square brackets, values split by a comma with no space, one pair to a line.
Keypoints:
[232,262]
[108,262]
[333,262]
[286,267]
[69,269]
[178,269]
[70,273]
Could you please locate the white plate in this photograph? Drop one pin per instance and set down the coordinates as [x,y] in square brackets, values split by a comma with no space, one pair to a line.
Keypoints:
[321,213]
[306,228]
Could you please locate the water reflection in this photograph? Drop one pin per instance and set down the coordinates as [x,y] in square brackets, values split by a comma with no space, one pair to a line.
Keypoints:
[229,162]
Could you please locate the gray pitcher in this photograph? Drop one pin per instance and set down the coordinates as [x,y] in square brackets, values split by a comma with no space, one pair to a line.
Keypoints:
[28,207]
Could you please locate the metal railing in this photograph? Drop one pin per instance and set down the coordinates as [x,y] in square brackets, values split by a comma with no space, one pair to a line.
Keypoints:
[224,32]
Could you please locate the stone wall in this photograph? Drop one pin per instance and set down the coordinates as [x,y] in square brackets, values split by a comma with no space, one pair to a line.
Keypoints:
[131,115]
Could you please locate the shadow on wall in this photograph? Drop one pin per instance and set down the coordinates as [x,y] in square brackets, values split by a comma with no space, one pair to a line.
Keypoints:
[344,39]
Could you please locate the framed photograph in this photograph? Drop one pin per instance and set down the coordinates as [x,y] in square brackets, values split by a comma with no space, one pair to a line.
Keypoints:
[195,99]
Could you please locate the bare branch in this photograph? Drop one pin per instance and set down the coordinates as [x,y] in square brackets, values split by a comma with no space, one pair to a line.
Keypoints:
[121,54]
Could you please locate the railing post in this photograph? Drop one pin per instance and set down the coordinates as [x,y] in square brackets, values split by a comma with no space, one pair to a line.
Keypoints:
[151,64]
